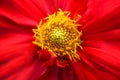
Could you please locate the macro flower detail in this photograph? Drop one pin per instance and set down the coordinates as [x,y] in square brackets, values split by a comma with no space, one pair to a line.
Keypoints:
[59,39]
[59,35]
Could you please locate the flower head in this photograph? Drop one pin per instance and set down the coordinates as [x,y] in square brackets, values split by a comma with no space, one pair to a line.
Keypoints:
[59,35]
[59,40]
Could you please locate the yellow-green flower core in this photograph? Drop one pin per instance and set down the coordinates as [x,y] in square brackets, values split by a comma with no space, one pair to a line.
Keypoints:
[58,34]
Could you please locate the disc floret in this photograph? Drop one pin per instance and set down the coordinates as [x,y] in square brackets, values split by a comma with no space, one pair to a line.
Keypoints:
[58,34]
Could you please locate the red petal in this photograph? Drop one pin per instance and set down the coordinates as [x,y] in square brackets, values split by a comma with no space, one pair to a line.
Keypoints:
[34,69]
[112,35]
[8,10]
[87,69]
[8,26]
[82,71]
[21,12]
[104,19]
[68,73]
[89,11]
[78,6]
[64,4]
[13,65]
[51,74]
[104,50]
[103,58]
[15,48]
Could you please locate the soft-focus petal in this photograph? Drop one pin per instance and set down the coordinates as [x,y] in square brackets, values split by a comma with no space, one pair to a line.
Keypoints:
[57,73]
[51,74]
[111,35]
[8,9]
[97,64]
[34,69]
[16,50]
[68,74]
[23,12]
[99,58]
[104,19]
[107,51]
[7,26]
[104,60]
[78,6]
[84,70]
[89,11]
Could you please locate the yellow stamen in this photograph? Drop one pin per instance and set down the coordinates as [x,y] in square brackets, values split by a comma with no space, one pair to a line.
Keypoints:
[58,33]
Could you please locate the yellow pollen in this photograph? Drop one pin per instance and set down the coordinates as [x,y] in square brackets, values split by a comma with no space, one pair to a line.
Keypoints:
[58,34]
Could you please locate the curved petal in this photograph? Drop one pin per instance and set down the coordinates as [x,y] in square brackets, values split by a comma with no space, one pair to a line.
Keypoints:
[9,10]
[105,18]
[89,11]
[8,26]
[111,35]
[103,59]
[12,65]
[101,41]
[16,50]
[23,12]
[107,51]
[86,70]
[82,71]
[30,72]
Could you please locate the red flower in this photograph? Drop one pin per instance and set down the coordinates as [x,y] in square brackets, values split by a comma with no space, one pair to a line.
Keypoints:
[20,59]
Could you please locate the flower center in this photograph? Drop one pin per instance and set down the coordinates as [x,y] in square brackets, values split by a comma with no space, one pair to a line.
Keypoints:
[58,34]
